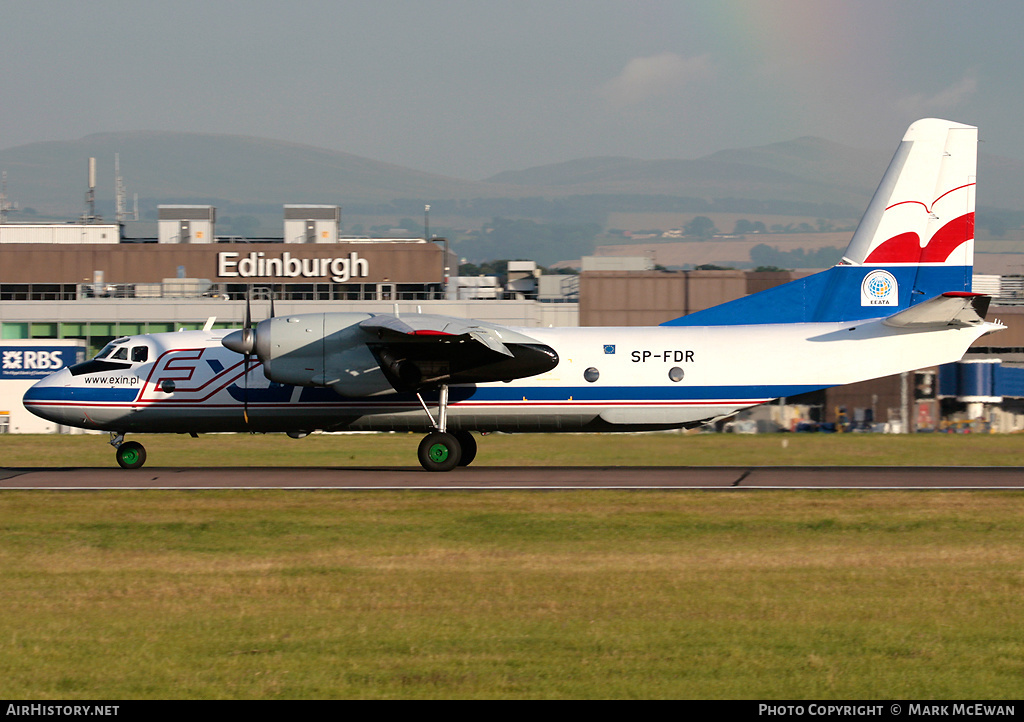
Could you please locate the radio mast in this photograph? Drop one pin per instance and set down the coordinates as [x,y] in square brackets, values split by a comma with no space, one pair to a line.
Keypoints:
[90,195]
[121,195]
[5,205]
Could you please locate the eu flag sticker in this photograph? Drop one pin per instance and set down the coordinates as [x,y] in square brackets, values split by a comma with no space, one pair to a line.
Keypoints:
[609,348]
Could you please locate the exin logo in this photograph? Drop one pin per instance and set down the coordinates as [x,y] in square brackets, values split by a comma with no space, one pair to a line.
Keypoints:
[879,289]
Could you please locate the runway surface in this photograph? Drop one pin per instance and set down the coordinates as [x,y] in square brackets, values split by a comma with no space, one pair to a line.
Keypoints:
[484,477]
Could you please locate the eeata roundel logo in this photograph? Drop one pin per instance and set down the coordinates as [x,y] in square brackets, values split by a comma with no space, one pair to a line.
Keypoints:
[879,289]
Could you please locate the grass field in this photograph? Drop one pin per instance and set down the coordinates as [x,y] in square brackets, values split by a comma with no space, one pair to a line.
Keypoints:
[591,594]
[663,449]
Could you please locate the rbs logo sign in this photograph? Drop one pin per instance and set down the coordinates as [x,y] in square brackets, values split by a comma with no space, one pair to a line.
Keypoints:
[26,362]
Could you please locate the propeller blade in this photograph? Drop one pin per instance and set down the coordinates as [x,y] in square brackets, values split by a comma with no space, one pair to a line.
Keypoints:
[248,310]
[247,335]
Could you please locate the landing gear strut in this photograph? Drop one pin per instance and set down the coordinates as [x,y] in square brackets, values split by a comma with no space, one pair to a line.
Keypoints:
[129,454]
[440,450]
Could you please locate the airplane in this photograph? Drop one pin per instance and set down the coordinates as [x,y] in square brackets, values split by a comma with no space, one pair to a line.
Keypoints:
[900,299]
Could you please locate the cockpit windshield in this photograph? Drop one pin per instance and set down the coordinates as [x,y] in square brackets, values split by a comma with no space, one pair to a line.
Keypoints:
[105,351]
[119,350]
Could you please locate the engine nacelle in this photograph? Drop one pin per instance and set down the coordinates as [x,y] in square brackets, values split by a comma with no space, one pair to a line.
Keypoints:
[354,372]
[320,349]
[357,358]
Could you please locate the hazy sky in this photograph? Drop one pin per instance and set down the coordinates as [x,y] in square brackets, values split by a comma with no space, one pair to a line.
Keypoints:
[469,88]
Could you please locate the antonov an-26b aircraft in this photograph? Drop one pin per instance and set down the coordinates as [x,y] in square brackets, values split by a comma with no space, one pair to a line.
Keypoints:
[899,300]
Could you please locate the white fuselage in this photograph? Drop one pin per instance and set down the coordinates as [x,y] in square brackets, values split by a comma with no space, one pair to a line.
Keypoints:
[606,379]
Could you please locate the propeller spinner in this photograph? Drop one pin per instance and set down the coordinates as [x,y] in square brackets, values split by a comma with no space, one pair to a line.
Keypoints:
[242,341]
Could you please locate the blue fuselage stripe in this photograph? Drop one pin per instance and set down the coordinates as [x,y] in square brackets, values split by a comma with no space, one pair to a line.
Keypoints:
[480,394]
[84,394]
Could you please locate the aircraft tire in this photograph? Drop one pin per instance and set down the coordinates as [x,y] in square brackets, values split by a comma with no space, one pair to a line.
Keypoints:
[439,451]
[131,455]
[468,444]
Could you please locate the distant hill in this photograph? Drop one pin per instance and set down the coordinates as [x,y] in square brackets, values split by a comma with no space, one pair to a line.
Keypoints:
[807,169]
[239,171]
[165,167]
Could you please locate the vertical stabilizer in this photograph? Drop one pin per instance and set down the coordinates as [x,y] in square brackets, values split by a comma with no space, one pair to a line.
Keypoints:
[923,210]
[914,242]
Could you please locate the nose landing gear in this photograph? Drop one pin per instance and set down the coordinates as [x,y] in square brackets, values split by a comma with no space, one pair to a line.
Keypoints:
[129,454]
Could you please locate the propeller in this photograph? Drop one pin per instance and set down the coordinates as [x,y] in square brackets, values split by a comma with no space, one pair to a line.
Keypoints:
[243,341]
[248,340]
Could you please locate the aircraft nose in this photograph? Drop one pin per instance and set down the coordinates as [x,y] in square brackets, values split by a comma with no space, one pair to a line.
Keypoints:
[58,379]
[42,395]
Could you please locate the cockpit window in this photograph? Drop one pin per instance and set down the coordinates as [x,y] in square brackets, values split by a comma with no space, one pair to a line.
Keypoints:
[117,350]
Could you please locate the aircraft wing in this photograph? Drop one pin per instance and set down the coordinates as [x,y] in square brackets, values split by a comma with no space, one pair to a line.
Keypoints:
[437,326]
[950,310]
[419,350]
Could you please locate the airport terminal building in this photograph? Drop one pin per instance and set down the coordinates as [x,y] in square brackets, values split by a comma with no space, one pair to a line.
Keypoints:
[309,262]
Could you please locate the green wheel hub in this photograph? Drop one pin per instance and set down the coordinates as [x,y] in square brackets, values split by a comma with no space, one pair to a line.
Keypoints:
[131,455]
[438,453]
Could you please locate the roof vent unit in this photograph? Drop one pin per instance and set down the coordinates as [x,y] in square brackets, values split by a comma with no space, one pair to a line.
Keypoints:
[311,224]
[186,224]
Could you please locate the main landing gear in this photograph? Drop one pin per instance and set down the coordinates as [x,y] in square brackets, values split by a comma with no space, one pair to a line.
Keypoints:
[129,454]
[441,450]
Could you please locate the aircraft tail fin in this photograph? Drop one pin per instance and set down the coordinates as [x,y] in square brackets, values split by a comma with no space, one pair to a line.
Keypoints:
[923,210]
[914,242]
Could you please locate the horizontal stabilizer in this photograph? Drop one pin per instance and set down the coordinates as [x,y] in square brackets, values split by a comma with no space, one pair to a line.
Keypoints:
[950,310]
